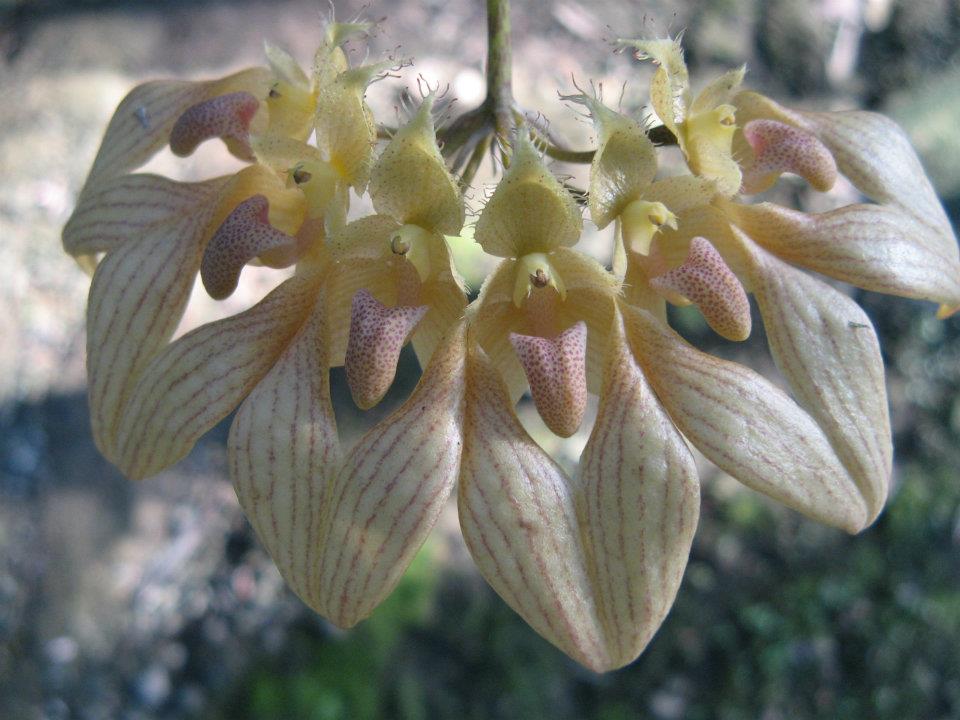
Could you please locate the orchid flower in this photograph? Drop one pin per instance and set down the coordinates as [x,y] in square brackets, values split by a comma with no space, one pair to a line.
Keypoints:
[591,559]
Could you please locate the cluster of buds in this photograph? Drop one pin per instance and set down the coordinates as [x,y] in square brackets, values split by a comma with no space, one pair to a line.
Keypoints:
[592,560]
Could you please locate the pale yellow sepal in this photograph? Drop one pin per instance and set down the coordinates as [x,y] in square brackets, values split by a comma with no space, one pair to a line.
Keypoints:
[410,180]
[138,295]
[388,493]
[530,211]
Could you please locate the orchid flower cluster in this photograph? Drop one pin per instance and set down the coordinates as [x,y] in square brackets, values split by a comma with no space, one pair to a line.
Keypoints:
[591,560]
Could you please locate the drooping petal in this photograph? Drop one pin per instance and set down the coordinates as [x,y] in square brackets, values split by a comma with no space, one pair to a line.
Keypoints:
[245,234]
[530,211]
[638,500]
[139,290]
[410,180]
[779,148]
[225,116]
[284,449]
[387,496]
[556,369]
[876,247]
[746,425]
[377,334]
[519,520]
[705,280]
[124,207]
[198,379]
[825,346]
[142,122]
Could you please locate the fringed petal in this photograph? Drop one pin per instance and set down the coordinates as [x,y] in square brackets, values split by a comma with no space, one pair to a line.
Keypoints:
[530,211]
[410,180]
[747,426]
[825,346]
[387,496]
[519,520]
[197,380]
[638,500]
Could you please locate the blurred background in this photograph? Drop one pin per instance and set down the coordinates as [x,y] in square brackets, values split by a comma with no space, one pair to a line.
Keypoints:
[155,600]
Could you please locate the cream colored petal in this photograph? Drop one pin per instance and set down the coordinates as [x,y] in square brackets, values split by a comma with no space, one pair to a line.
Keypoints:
[142,122]
[197,380]
[519,521]
[123,208]
[283,452]
[638,500]
[825,346]
[387,496]
[876,247]
[746,426]
[138,294]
